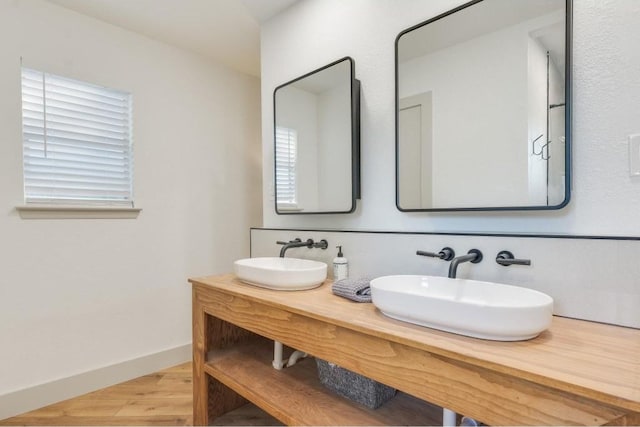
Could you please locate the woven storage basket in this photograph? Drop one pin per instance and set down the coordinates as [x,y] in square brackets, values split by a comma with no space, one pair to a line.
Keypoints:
[353,386]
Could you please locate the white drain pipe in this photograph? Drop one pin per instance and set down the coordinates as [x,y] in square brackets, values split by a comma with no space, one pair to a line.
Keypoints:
[277,363]
[448,418]
[295,356]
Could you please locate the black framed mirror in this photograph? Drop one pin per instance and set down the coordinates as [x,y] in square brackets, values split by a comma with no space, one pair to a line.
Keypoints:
[483,108]
[317,141]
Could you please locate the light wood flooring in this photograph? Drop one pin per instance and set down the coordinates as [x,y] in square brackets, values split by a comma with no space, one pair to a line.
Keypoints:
[161,398]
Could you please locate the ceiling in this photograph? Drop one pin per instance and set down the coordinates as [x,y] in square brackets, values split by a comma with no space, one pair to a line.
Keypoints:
[473,22]
[227,31]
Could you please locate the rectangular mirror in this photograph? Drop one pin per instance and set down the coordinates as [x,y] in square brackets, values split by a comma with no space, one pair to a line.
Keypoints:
[317,141]
[483,108]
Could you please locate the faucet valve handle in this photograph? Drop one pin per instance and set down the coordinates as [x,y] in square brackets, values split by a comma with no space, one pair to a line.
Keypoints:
[446,254]
[280,242]
[506,258]
[322,244]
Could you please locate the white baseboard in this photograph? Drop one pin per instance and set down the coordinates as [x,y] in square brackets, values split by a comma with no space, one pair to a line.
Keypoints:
[28,399]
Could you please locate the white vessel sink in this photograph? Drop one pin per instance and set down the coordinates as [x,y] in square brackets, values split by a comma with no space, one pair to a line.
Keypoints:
[467,307]
[284,274]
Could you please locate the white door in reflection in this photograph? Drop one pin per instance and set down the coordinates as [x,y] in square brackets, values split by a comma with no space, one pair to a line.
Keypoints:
[415,151]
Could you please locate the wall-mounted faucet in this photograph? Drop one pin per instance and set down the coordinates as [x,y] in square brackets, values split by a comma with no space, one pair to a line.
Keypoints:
[506,258]
[297,243]
[322,244]
[474,256]
[445,254]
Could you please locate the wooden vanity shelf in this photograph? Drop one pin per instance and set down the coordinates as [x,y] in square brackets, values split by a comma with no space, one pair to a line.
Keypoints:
[296,397]
[576,373]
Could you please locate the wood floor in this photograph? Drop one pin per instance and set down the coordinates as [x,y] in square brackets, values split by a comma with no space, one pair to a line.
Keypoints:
[162,398]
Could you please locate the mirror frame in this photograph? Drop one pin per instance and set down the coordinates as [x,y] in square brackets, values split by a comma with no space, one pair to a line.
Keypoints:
[355,139]
[568,123]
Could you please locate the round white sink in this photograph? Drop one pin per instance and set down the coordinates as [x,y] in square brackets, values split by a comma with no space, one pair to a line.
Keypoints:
[284,274]
[477,309]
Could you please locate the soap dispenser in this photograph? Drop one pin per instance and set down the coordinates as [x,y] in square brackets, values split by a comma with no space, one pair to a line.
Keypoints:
[340,266]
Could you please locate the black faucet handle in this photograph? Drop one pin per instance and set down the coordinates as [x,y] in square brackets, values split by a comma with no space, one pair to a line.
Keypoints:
[322,244]
[280,242]
[506,258]
[445,254]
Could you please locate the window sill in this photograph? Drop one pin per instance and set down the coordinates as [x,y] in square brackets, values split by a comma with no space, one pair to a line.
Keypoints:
[77,212]
[289,208]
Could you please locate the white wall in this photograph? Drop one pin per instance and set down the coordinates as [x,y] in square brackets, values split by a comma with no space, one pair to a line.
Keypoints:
[537,122]
[606,110]
[465,80]
[77,295]
[334,148]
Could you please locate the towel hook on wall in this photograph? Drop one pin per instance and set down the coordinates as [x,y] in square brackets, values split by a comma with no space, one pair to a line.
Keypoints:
[542,150]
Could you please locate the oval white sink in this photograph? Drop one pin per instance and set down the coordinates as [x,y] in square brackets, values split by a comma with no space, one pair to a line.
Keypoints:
[285,274]
[467,307]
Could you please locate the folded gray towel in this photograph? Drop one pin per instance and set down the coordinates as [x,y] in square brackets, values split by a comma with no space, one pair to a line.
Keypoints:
[357,290]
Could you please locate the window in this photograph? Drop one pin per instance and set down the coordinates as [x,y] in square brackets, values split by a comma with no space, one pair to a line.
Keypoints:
[76,142]
[286,147]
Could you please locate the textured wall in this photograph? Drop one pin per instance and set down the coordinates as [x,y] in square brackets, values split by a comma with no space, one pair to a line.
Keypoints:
[606,110]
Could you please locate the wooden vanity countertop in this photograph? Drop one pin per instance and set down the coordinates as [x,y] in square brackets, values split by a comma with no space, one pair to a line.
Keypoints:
[593,360]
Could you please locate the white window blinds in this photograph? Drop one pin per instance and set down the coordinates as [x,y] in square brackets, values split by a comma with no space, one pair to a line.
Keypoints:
[286,147]
[76,141]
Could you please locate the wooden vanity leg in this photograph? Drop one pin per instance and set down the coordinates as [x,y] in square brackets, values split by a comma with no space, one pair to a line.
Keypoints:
[200,380]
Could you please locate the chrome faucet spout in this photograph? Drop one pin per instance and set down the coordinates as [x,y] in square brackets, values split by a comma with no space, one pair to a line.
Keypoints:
[474,256]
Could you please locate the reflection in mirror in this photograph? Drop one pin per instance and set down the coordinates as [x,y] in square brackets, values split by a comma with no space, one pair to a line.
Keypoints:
[482,108]
[317,141]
